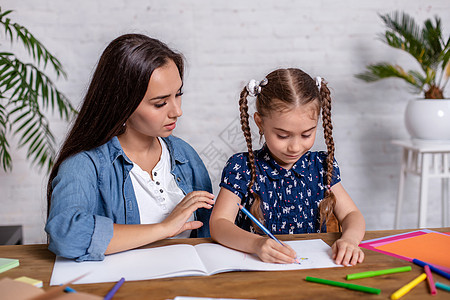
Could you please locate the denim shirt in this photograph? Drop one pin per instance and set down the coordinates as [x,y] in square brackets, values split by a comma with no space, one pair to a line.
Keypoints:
[93,190]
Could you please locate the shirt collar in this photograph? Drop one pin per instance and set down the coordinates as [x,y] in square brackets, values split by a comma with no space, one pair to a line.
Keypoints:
[115,150]
[176,153]
[275,171]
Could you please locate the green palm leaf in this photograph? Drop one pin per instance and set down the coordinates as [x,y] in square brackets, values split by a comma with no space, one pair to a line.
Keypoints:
[385,70]
[426,44]
[26,92]
[5,157]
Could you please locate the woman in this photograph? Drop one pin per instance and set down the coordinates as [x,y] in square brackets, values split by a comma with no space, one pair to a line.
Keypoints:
[121,180]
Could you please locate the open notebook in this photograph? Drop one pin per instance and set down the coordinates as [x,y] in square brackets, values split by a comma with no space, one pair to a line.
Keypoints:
[184,260]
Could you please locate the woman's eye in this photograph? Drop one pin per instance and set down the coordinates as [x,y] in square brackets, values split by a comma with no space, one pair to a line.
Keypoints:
[179,94]
[282,136]
[159,105]
[306,136]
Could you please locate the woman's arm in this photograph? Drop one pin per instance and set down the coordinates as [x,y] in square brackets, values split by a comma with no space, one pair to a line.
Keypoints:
[224,231]
[127,237]
[346,250]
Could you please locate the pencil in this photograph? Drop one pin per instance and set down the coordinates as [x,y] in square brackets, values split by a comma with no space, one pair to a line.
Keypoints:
[264,229]
[350,286]
[378,273]
[407,287]
[114,289]
[430,280]
[255,220]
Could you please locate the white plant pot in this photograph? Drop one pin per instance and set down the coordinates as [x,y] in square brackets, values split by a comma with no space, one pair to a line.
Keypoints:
[428,119]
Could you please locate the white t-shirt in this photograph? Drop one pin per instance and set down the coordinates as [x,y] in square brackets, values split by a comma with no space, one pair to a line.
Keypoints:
[158,197]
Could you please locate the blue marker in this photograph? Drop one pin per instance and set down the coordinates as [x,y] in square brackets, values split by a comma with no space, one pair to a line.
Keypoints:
[68,289]
[433,268]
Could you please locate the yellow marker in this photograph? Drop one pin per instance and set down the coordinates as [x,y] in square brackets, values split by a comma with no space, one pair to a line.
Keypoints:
[409,286]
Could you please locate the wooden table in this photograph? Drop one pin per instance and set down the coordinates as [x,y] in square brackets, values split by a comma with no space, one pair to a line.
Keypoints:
[37,262]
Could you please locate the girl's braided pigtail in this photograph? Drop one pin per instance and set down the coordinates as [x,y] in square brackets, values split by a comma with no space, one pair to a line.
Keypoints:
[243,108]
[329,201]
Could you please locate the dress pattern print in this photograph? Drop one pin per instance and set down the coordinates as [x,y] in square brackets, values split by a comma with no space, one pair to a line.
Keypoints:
[289,198]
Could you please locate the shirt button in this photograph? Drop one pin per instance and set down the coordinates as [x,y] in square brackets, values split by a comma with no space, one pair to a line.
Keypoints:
[179,179]
[157,183]
[155,174]
[161,190]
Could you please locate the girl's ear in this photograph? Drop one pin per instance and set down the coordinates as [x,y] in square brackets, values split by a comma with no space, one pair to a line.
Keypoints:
[259,122]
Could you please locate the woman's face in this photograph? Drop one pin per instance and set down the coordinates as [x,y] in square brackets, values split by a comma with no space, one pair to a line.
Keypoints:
[160,108]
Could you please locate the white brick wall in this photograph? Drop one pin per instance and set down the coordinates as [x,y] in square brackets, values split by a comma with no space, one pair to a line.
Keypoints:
[227,43]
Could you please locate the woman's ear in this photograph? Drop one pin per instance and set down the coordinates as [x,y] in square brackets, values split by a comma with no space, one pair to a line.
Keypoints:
[259,122]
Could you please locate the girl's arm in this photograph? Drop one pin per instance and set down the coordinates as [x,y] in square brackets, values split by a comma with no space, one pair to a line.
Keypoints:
[127,237]
[346,250]
[225,232]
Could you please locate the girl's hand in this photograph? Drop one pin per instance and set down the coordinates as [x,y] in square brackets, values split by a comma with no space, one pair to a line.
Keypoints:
[270,251]
[347,252]
[176,222]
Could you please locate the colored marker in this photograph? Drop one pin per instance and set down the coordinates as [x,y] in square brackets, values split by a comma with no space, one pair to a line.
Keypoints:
[433,268]
[430,280]
[407,287]
[378,273]
[443,286]
[264,229]
[350,286]
[114,289]
[68,289]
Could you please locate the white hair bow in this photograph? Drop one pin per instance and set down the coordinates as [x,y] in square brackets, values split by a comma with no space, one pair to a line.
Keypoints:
[319,82]
[254,87]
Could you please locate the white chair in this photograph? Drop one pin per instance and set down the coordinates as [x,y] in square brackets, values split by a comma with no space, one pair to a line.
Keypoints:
[427,160]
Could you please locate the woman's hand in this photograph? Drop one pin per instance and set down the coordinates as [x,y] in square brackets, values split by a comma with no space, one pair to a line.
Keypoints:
[176,222]
[346,252]
[268,250]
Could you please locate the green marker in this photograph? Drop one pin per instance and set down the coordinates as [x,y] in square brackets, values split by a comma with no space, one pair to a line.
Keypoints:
[350,286]
[378,273]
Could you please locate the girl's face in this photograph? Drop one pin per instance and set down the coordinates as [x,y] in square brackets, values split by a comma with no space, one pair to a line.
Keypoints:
[158,111]
[289,134]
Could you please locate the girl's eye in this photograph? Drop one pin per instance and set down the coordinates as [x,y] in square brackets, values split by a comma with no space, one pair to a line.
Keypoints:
[179,94]
[306,136]
[159,105]
[282,136]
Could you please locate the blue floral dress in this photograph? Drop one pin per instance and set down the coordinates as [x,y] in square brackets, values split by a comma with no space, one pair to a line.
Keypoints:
[289,198]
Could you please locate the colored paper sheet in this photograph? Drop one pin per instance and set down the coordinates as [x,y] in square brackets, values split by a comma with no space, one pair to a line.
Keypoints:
[8,263]
[432,248]
[395,237]
[371,244]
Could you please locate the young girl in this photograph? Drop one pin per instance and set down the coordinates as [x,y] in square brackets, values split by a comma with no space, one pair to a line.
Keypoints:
[284,185]
[121,180]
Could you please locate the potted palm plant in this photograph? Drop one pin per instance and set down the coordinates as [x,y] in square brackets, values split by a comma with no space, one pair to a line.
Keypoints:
[427,118]
[26,92]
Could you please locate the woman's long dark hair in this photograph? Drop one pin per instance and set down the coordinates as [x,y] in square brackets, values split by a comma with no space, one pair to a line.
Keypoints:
[118,85]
